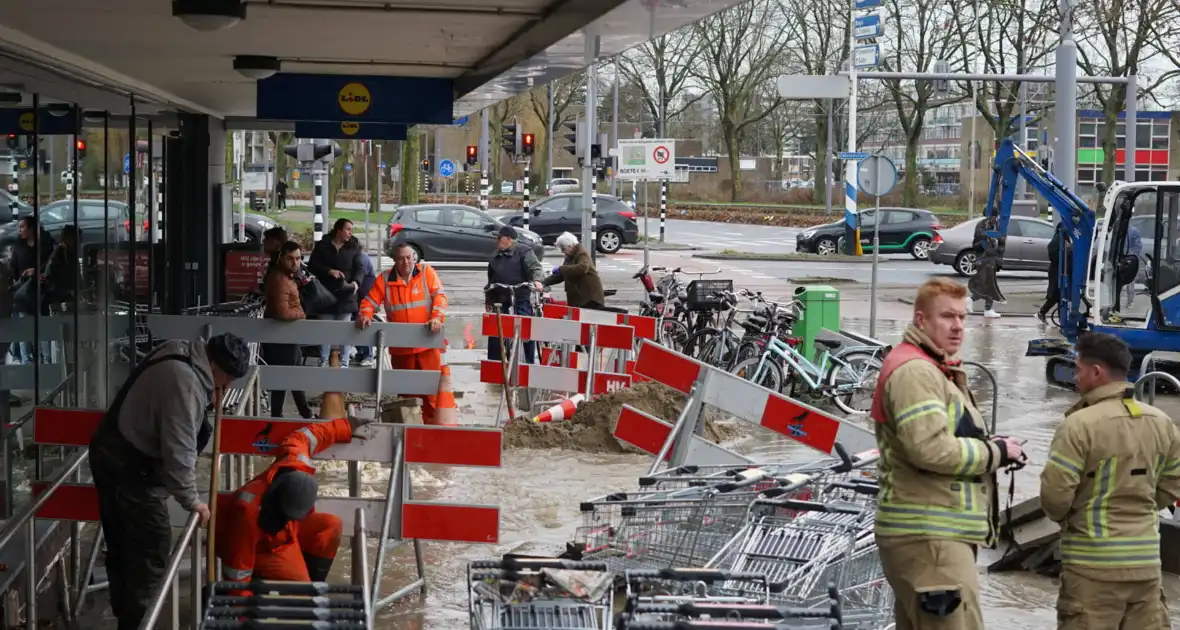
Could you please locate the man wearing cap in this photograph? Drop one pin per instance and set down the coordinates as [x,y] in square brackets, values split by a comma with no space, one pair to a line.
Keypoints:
[145,451]
[269,529]
[513,263]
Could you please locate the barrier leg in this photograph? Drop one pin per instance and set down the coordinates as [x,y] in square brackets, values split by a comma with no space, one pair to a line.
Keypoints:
[395,470]
[83,581]
[31,575]
[419,559]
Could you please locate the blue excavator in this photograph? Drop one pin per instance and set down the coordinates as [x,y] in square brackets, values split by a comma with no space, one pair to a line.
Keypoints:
[1133,293]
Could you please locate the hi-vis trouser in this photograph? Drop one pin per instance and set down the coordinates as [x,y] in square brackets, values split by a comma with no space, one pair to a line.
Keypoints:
[1086,604]
[440,408]
[928,575]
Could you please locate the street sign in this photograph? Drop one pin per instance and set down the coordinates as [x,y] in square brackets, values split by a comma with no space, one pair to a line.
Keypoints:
[867,26]
[505,188]
[382,163]
[853,155]
[348,167]
[646,159]
[876,176]
[295,174]
[127,163]
[867,56]
[460,121]
[867,4]
[803,86]
[446,168]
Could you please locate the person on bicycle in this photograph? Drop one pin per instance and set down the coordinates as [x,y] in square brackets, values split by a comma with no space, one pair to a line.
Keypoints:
[583,287]
[512,264]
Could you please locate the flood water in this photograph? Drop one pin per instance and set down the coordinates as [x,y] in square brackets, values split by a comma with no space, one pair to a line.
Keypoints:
[539,491]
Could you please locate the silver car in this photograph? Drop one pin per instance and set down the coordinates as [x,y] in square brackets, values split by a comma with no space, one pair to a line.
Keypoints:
[564,184]
[1027,248]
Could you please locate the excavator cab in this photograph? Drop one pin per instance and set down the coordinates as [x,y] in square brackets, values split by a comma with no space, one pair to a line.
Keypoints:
[1134,283]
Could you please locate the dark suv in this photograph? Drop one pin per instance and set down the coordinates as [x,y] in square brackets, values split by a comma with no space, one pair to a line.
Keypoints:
[904,230]
[563,213]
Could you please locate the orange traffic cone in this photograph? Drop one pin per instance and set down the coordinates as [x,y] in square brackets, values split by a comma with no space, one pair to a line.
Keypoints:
[562,410]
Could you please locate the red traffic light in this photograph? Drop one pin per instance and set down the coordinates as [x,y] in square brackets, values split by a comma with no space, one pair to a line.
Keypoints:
[528,139]
[80,145]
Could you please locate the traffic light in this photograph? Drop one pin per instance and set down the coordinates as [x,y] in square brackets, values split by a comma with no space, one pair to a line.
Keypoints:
[527,143]
[425,166]
[576,138]
[472,154]
[80,148]
[511,138]
[13,142]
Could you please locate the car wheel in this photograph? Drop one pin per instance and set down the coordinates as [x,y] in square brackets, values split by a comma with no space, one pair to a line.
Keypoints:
[967,263]
[417,253]
[826,246]
[610,241]
[920,248]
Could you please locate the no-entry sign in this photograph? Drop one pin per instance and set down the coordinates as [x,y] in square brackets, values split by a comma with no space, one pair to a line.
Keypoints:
[646,159]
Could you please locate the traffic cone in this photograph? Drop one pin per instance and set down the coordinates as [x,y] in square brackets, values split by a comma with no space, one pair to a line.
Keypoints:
[562,410]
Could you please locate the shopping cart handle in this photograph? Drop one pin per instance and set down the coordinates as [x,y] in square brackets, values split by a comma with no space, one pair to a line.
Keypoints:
[732,610]
[695,575]
[845,464]
[816,506]
[858,486]
[513,564]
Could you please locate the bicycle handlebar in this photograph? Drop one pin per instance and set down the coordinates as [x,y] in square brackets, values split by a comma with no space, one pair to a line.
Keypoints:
[498,285]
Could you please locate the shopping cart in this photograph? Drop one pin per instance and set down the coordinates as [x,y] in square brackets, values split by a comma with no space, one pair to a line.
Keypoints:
[540,594]
[715,612]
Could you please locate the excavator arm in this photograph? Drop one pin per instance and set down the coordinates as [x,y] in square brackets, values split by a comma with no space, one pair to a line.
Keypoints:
[1077,225]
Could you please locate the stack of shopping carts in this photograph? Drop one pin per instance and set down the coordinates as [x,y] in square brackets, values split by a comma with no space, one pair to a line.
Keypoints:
[772,545]
[287,605]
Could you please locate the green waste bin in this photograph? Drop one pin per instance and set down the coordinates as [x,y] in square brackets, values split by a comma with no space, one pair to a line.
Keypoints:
[821,311]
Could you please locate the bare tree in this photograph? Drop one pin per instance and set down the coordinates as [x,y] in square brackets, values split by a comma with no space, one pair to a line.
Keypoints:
[922,34]
[1005,37]
[740,53]
[1122,38]
[567,92]
[663,66]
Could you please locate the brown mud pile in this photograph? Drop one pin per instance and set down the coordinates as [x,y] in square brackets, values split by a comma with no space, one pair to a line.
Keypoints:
[590,429]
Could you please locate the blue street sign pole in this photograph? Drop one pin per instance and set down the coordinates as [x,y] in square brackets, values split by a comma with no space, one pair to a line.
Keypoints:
[127,164]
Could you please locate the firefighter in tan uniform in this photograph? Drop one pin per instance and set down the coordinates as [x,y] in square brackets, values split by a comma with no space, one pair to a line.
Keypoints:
[937,501]
[1113,465]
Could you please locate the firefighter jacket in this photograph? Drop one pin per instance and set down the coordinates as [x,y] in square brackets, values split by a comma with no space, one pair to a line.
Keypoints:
[937,464]
[239,538]
[1113,464]
[415,302]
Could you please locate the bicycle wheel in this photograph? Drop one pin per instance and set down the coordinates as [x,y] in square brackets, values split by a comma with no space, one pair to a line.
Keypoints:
[771,377]
[698,341]
[857,380]
[673,334]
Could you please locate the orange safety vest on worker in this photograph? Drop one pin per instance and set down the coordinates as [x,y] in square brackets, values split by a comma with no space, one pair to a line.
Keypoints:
[302,550]
[418,301]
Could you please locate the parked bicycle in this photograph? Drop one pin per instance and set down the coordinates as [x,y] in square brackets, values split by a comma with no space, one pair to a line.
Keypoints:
[846,379]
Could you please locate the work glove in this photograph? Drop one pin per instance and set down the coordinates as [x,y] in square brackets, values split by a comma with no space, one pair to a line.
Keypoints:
[357,424]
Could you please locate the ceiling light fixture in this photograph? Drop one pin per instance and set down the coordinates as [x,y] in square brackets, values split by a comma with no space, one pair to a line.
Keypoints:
[11,98]
[257,67]
[209,15]
[94,115]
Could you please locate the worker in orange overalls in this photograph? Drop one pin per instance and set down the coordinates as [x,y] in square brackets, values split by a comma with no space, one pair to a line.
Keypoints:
[413,294]
[269,529]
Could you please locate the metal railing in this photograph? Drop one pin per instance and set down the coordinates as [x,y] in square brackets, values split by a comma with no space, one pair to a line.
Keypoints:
[169,587]
[26,522]
[1150,377]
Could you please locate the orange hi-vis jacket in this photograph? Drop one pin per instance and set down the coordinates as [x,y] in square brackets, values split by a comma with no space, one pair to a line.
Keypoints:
[239,539]
[415,302]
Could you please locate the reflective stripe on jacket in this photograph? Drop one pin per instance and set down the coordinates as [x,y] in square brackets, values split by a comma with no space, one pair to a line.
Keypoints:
[937,464]
[415,302]
[1113,464]
[239,538]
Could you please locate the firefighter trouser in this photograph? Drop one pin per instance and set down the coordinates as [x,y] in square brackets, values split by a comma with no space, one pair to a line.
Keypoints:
[138,534]
[917,569]
[308,559]
[1088,604]
[440,408]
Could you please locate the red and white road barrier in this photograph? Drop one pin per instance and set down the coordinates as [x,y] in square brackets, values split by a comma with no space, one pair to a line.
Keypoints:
[648,433]
[553,378]
[645,327]
[563,410]
[750,402]
[418,520]
[557,331]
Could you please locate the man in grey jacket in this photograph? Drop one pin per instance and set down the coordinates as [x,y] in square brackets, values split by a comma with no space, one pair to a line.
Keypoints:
[145,451]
